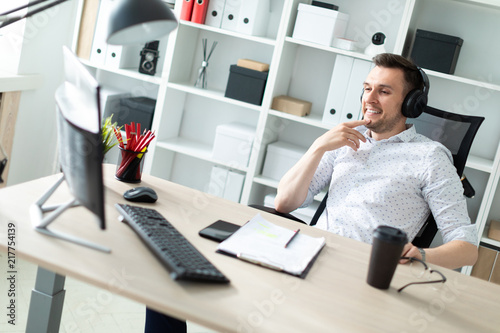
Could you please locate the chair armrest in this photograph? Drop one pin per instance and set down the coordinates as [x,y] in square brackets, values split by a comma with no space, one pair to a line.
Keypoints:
[469,191]
[275,212]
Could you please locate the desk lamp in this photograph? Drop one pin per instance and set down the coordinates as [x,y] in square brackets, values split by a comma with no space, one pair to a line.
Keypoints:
[131,21]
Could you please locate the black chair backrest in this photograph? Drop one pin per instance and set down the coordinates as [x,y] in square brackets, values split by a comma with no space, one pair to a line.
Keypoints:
[454,131]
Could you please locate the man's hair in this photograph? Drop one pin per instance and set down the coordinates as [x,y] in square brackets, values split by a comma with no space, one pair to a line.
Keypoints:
[412,76]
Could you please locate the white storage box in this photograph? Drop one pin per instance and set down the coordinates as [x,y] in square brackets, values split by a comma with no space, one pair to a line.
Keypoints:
[233,143]
[225,183]
[319,25]
[280,157]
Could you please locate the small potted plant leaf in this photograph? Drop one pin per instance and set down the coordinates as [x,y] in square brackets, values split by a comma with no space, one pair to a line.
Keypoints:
[108,134]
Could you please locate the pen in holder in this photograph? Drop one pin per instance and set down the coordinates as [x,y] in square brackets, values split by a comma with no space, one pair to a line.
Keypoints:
[130,164]
[131,157]
[201,82]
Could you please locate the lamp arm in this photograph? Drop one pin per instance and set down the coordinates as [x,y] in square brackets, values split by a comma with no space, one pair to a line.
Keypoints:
[5,20]
[34,3]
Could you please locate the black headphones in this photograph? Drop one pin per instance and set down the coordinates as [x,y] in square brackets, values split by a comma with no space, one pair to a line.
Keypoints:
[415,101]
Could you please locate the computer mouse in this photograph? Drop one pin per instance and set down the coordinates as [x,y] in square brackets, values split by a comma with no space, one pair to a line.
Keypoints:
[141,194]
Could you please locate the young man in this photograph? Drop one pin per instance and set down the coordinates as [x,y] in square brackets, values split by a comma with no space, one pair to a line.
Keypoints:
[380,171]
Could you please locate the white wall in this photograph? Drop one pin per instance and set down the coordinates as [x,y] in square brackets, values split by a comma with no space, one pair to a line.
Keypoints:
[34,145]
[10,41]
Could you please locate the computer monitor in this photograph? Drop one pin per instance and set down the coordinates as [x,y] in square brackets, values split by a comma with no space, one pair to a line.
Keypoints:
[80,150]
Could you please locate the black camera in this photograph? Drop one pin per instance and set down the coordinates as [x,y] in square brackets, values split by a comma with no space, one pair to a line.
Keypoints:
[378,38]
[149,58]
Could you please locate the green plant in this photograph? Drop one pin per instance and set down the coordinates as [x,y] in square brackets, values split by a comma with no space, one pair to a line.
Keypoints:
[108,134]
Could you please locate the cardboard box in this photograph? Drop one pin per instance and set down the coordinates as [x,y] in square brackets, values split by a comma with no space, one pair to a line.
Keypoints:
[319,25]
[484,264]
[494,231]
[246,85]
[252,64]
[233,143]
[435,51]
[280,157]
[495,272]
[291,105]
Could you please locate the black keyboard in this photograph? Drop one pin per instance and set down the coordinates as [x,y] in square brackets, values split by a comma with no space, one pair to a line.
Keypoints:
[181,258]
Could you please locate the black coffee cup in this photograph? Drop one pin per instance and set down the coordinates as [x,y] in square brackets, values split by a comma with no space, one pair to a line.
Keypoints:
[388,243]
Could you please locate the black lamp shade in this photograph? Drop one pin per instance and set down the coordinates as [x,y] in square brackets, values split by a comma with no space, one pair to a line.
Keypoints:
[140,21]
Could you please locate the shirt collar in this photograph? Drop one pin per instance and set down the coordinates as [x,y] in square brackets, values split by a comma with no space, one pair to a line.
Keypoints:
[405,136]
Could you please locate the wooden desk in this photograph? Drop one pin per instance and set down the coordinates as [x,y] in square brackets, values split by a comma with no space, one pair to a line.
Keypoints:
[333,298]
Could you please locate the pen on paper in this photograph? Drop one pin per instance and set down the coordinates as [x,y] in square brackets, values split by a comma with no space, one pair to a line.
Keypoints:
[291,238]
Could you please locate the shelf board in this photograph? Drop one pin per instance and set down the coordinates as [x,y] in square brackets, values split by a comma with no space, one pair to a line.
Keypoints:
[274,184]
[486,3]
[128,72]
[473,162]
[479,163]
[312,119]
[329,48]
[212,94]
[257,39]
[194,149]
[490,241]
[489,86]
[266,181]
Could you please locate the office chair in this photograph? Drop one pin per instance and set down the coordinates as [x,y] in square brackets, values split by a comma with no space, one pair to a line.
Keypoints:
[454,131]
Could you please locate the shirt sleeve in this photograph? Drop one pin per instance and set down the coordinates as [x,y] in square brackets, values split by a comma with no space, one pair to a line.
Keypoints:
[443,192]
[321,177]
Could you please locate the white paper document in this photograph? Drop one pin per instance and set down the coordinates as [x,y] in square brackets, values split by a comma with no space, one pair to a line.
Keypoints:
[262,242]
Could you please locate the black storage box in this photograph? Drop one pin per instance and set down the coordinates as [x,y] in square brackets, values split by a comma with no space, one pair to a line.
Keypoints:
[246,85]
[136,109]
[435,51]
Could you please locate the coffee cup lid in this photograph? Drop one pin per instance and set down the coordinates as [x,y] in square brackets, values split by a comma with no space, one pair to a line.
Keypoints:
[390,234]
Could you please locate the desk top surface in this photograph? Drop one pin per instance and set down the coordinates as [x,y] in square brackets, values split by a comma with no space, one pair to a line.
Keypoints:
[333,297]
[19,82]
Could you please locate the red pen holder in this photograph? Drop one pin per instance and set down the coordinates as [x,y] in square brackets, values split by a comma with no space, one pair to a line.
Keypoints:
[129,166]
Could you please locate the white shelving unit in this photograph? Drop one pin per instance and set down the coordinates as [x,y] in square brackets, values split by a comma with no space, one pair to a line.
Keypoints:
[186,117]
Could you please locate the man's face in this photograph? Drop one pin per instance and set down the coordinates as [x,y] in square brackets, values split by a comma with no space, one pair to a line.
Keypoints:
[384,92]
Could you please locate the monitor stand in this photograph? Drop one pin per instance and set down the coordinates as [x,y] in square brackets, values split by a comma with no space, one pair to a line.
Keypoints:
[41,222]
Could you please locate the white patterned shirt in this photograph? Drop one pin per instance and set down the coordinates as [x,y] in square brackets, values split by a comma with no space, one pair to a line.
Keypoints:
[396,182]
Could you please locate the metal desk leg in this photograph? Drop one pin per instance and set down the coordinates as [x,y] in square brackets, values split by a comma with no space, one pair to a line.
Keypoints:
[46,302]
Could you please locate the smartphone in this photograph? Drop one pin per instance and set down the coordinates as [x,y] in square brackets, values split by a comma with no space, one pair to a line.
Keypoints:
[219,230]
